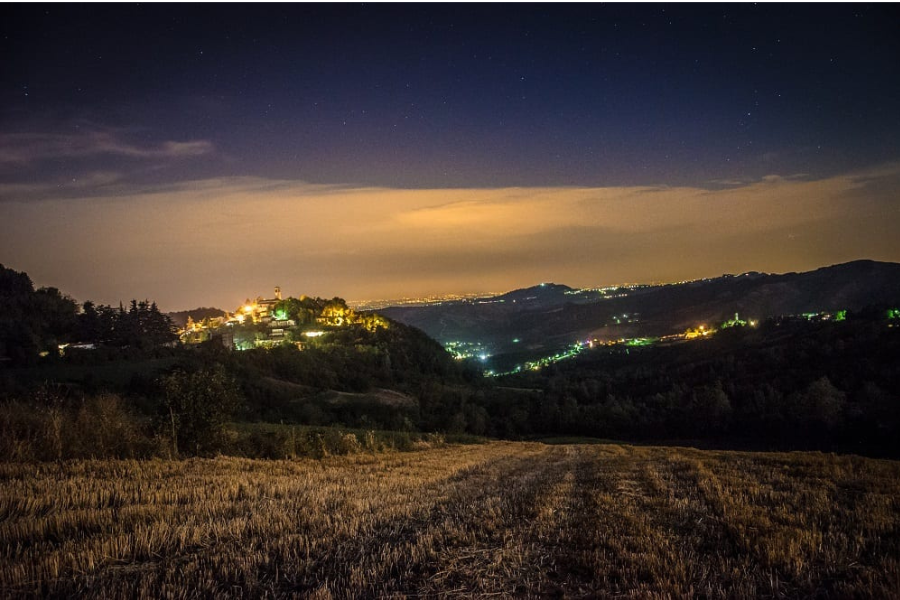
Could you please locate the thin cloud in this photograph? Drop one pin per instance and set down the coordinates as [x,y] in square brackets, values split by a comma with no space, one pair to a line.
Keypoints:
[92,183]
[18,149]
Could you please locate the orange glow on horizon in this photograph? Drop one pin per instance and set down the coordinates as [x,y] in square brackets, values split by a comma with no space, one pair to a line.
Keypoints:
[392,243]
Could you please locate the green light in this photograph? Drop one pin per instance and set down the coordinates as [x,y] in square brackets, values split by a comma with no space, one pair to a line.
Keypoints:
[840,315]
[735,322]
[893,313]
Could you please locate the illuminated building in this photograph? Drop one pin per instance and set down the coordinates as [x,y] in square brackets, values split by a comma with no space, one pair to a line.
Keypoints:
[258,311]
[735,322]
[258,324]
[265,307]
[692,334]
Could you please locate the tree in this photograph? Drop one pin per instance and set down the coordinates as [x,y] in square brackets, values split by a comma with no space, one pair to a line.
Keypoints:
[196,408]
[32,321]
[142,325]
[57,315]
[290,308]
[711,408]
[90,327]
[820,404]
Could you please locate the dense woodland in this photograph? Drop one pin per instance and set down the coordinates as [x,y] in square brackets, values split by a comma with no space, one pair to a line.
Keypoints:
[786,384]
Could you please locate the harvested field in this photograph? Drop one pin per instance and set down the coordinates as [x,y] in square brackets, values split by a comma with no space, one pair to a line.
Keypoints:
[500,520]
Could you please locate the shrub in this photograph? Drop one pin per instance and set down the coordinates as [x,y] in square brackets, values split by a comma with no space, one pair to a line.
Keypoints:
[103,428]
[348,444]
[196,408]
[53,427]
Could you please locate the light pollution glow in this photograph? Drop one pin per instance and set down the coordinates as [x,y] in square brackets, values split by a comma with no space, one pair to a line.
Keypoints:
[215,242]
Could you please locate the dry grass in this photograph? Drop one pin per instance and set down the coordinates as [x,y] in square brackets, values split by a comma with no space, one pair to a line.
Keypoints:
[502,519]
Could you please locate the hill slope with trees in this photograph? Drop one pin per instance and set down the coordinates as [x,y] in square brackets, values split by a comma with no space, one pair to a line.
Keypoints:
[788,383]
[552,316]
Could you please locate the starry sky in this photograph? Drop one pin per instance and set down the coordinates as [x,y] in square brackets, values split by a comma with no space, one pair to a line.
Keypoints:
[198,155]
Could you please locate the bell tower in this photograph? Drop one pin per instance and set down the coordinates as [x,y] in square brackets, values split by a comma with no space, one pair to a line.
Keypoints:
[277,292]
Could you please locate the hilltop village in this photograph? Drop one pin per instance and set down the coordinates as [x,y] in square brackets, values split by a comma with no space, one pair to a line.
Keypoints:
[268,322]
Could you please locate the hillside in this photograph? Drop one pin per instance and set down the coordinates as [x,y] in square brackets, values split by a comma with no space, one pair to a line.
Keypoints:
[786,383]
[547,317]
[795,383]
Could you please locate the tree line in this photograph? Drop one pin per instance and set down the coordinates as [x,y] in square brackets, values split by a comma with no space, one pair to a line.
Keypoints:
[35,322]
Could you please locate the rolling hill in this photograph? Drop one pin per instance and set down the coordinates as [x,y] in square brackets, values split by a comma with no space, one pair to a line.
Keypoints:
[550,315]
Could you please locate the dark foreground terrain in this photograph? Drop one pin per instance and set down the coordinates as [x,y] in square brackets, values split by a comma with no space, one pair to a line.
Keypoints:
[500,519]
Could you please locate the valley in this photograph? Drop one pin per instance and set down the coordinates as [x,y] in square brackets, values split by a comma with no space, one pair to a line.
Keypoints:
[536,324]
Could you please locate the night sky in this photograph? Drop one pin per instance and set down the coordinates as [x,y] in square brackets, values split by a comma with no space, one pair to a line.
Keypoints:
[200,155]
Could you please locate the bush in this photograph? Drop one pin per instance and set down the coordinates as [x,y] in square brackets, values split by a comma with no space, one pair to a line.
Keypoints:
[53,427]
[348,444]
[196,408]
[103,428]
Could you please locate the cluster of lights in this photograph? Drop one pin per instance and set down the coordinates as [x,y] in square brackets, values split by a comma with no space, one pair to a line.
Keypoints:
[626,318]
[573,351]
[263,312]
[839,315]
[421,301]
[463,350]
[701,331]
[737,321]
[536,365]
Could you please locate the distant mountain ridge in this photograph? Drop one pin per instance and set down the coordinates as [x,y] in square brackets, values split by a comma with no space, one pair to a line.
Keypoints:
[550,315]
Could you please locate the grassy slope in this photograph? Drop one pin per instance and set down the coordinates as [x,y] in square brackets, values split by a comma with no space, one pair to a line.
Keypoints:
[509,519]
